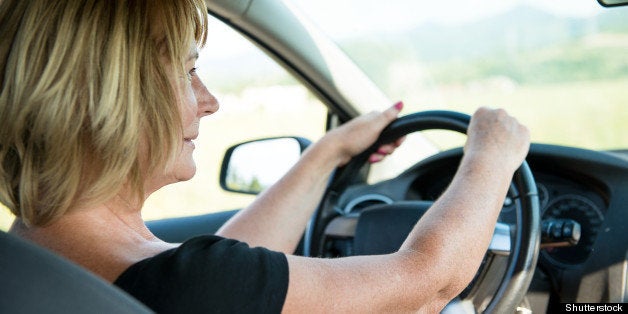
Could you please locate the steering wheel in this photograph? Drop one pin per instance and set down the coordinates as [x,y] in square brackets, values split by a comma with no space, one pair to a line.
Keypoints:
[518,246]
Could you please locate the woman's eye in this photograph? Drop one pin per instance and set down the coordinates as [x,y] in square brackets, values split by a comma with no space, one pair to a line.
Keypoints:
[191,73]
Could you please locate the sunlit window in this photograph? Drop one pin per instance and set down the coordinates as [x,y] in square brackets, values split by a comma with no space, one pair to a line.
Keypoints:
[559,66]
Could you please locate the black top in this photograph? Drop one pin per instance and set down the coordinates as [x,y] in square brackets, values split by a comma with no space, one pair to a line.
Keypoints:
[210,274]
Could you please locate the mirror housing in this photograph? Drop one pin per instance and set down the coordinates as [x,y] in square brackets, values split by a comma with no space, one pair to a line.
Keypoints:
[612,3]
[253,166]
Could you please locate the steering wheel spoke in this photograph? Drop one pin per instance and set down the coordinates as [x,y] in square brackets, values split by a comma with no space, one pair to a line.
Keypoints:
[459,306]
[500,243]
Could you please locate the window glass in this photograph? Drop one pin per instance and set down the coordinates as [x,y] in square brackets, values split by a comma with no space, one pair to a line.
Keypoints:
[559,66]
[6,218]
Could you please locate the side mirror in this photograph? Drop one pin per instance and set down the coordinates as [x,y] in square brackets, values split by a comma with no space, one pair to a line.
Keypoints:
[612,3]
[253,166]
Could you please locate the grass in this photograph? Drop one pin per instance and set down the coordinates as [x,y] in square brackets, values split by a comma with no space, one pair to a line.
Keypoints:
[582,114]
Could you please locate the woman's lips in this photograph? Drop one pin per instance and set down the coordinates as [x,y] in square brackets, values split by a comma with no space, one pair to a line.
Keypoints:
[189,141]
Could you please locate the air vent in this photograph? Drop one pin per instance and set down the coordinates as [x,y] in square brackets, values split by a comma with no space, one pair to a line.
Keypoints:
[359,203]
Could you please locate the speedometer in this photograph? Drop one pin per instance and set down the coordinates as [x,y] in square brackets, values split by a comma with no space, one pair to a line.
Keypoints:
[590,218]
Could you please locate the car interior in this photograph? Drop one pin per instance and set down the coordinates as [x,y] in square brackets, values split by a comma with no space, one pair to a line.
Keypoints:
[562,235]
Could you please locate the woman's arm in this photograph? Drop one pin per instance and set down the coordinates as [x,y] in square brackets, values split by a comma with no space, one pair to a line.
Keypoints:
[443,251]
[278,216]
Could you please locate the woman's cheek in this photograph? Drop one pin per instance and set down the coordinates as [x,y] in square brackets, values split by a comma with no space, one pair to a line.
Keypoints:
[187,105]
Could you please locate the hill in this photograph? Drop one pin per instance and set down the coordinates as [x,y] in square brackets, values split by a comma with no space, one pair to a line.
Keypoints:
[526,44]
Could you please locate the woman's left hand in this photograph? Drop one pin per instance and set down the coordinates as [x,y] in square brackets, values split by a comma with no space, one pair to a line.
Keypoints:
[358,134]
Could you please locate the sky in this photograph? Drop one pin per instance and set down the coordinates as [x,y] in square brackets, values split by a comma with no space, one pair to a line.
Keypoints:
[340,18]
[345,18]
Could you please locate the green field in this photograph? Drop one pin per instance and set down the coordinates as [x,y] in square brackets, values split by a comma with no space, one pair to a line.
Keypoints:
[583,114]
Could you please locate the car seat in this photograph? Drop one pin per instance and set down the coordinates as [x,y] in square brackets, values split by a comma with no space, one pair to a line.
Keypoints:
[34,280]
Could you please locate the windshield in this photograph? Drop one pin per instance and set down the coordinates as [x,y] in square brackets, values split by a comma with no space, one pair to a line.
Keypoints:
[558,66]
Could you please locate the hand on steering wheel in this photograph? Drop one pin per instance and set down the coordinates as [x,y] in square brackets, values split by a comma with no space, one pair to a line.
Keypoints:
[523,247]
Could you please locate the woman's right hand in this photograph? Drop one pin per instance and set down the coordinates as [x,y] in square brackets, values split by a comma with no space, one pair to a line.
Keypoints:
[496,139]
[358,134]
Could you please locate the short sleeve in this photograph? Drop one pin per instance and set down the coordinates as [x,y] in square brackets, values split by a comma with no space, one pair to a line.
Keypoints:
[210,274]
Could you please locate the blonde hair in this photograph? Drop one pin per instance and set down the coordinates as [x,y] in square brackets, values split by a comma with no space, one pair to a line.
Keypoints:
[83,92]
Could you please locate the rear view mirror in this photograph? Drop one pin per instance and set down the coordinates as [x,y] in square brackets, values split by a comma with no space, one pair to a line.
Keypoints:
[253,166]
[613,3]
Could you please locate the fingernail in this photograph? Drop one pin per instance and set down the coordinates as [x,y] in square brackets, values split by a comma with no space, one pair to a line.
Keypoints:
[373,159]
[382,151]
[399,105]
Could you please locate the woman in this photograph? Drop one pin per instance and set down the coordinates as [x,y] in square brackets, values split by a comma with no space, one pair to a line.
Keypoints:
[100,103]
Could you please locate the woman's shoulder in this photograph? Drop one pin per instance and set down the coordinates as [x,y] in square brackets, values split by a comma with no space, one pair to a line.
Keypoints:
[203,253]
[209,271]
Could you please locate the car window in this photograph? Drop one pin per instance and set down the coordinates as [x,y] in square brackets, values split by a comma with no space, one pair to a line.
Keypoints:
[257,99]
[559,66]
[6,218]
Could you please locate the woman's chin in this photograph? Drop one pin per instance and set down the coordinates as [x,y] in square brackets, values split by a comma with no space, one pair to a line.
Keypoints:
[186,173]
[182,171]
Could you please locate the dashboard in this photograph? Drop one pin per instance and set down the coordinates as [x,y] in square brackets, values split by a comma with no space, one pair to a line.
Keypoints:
[583,192]
[561,198]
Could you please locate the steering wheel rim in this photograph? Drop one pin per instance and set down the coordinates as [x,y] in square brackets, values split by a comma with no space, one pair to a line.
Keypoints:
[525,241]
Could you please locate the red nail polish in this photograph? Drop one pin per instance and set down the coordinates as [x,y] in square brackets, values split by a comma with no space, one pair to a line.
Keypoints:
[399,105]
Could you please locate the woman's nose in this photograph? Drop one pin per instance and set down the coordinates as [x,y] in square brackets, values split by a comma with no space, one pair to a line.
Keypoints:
[207,103]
